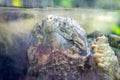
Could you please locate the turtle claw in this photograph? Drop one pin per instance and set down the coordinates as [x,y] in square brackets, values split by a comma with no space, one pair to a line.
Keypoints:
[101,65]
[104,55]
[99,59]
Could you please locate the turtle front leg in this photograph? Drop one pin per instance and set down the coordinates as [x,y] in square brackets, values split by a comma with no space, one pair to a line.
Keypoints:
[106,60]
[98,55]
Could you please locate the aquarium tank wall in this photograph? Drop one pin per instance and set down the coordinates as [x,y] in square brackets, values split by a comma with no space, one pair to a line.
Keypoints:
[59,40]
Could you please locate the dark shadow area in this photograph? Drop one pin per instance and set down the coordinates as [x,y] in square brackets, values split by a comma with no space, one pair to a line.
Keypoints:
[13,62]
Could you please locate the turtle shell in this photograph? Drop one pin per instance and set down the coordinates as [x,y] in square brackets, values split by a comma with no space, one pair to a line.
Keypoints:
[59,65]
[62,32]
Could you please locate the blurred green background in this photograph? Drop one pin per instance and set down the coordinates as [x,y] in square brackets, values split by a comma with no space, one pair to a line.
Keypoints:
[93,15]
[103,4]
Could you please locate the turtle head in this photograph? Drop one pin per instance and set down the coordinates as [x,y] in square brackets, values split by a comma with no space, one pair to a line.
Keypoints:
[102,39]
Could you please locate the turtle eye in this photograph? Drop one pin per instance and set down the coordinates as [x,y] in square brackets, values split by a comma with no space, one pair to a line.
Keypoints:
[97,39]
[64,23]
[47,18]
[51,18]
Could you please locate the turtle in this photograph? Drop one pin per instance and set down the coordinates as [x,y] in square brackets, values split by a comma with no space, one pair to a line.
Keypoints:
[61,48]
[62,32]
[62,52]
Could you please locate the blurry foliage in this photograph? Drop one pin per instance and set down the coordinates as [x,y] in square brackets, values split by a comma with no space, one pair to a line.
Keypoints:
[84,3]
[93,4]
[99,4]
[108,4]
[115,29]
[17,3]
[63,3]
